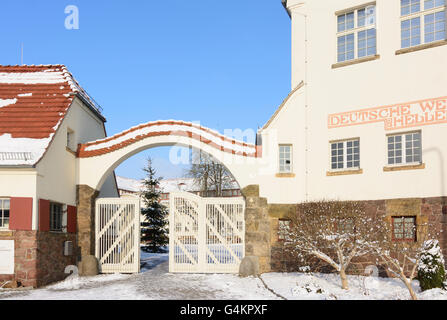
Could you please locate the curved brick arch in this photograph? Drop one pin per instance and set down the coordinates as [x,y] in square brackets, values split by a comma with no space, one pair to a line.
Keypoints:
[97,159]
[164,128]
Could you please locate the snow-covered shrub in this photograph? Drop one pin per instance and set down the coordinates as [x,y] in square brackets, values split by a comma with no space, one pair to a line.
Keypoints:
[305,269]
[401,258]
[431,272]
[334,232]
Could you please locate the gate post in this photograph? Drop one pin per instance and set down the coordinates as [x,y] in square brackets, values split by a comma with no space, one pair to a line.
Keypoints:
[257,227]
[85,198]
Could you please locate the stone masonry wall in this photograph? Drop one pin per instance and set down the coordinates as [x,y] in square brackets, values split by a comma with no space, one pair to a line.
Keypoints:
[25,257]
[38,257]
[51,261]
[432,210]
[86,197]
[257,227]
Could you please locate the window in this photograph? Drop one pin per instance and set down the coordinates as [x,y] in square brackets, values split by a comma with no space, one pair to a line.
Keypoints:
[56,217]
[404,228]
[434,26]
[4,213]
[345,154]
[70,139]
[405,148]
[422,21]
[411,32]
[346,226]
[284,227]
[285,158]
[356,34]
[409,6]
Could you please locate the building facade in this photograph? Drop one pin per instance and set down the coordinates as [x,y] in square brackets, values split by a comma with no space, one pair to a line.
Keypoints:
[365,120]
[369,97]
[44,114]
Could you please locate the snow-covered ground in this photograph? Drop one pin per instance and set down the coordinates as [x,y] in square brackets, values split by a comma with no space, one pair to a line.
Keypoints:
[154,282]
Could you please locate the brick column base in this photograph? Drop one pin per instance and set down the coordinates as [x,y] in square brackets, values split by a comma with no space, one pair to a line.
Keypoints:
[85,198]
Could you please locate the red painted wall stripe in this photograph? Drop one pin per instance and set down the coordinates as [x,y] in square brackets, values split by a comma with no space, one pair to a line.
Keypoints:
[21,214]
[83,153]
[71,219]
[44,215]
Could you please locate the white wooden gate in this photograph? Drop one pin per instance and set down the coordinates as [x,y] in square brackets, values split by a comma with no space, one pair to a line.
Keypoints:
[118,235]
[206,235]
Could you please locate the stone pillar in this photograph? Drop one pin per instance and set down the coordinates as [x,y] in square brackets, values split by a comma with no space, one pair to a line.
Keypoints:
[86,197]
[257,227]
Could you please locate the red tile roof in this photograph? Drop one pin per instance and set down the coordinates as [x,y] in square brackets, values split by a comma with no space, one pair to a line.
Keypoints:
[33,116]
[34,100]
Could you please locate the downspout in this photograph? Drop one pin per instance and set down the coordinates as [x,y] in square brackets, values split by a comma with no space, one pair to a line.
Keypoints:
[306,106]
[306,103]
[306,111]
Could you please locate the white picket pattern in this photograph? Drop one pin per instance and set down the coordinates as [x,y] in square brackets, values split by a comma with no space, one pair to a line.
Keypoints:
[118,235]
[206,235]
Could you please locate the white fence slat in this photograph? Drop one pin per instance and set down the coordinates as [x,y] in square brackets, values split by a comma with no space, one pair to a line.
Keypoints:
[207,235]
[118,235]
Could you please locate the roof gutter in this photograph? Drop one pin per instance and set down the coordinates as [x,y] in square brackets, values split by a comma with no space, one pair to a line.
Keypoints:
[90,106]
[18,166]
[284,3]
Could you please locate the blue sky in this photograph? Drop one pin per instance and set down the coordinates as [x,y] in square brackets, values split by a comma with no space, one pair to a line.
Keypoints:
[223,63]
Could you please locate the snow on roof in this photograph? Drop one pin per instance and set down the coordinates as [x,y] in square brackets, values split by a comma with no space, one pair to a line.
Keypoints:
[33,102]
[166,185]
[7,102]
[129,184]
[21,151]
[178,184]
[172,126]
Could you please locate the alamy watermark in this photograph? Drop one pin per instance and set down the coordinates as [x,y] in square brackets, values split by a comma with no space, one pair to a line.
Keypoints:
[72,18]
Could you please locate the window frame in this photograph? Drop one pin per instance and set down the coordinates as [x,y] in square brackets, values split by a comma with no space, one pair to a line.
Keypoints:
[355,31]
[2,210]
[404,238]
[70,143]
[345,155]
[281,235]
[346,226]
[421,15]
[290,158]
[404,149]
[61,213]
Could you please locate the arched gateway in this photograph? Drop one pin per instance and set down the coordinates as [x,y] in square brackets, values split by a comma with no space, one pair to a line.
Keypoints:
[98,159]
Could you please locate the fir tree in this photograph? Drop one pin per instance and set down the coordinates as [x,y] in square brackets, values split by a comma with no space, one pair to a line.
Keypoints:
[431,272]
[155,231]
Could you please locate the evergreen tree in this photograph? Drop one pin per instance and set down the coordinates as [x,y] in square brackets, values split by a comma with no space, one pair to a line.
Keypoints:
[155,231]
[431,272]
